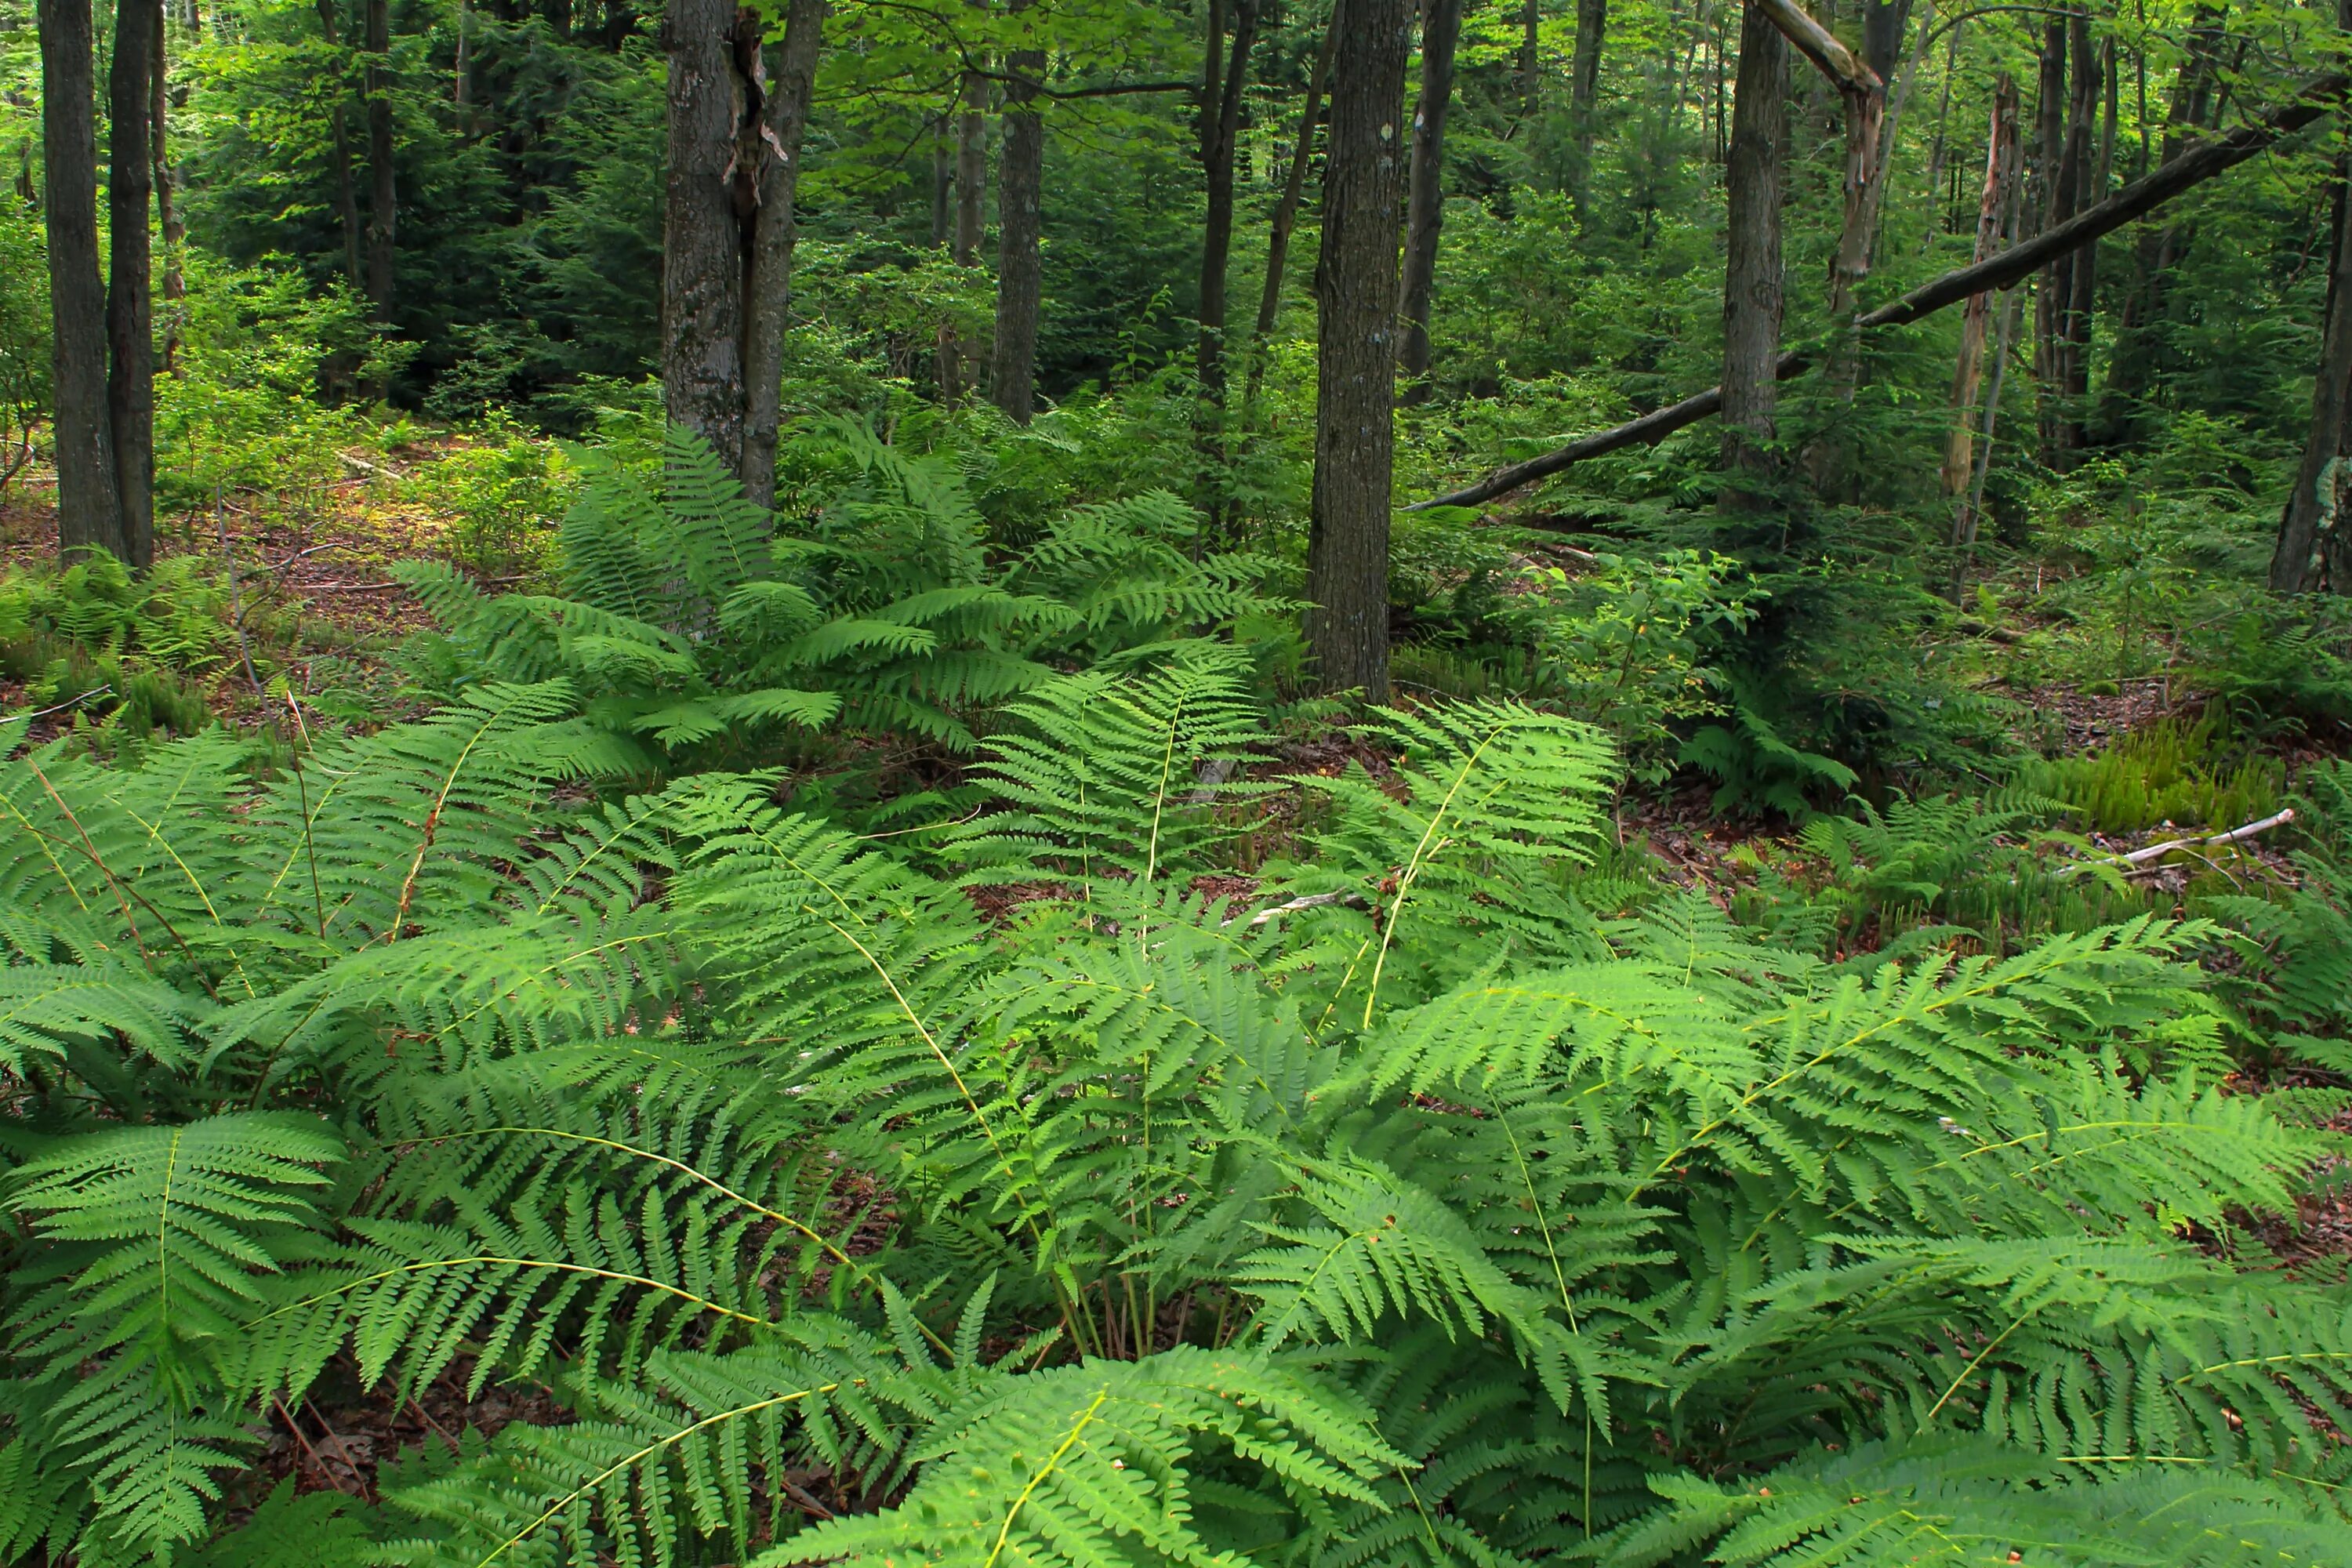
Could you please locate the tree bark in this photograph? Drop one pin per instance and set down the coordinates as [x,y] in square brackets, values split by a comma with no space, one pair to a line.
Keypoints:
[2318,97]
[347,203]
[1020,264]
[702,247]
[1286,210]
[1584,87]
[130,296]
[90,516]
[168,221]
[1356,285]
[2082,164]
[2001,159]
[1441,28]
[2315,540]
[382,194]
[1221,118]
[783,120]
[970,170]
[2137,347]
[2049,201]
[1752,297]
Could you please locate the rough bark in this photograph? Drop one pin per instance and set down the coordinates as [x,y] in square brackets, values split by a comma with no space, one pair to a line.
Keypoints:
[130,294]
[1751,280]
[1441,28]
[1286,209]
[1020,264]
[1355,435]
[702,250]
[1221,119]
[2315,540]
[1882,35]
[88,515]
[384,217]
[2222,153]
[1584,85]
[347,202]
[782,119]
[2002,162]
[168,221]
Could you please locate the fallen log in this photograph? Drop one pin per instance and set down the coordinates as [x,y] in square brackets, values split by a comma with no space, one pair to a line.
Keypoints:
[2142,196]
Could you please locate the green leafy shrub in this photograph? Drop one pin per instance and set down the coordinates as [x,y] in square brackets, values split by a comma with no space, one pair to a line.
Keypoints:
[1391,1209]
[2174,771]
[24,337]
[125,652]
[502,494]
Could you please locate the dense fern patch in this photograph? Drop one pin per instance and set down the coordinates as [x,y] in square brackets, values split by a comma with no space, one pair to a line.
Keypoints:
[1404,1209]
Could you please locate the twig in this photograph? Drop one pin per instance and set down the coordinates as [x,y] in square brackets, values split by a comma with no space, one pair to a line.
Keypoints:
[426,1416]
[2139,858]
[68,702]
[1307,901]
[336,1438]
[317,1462]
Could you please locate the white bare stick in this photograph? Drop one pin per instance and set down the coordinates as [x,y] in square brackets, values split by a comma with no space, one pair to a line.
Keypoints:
[2140,859]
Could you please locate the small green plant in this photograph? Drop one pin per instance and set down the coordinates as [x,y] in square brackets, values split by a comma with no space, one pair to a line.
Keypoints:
[2174,772]
[24,337]
[1757,771]
[502,493]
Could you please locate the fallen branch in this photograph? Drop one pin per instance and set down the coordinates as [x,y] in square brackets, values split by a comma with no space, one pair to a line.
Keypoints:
[2135,201]
[1306,901]
[2141,859]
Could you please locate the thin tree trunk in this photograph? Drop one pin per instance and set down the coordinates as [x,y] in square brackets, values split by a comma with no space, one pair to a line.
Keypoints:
[2001,159]
[702,247]
[1531,61]
[783,120]
[1584,88]
[1020,267]
[1355,284]
[167,212]
[130,296]
[382,204]
[347,203]
[1751,282]
[90,515]
[971,172]
[943,181]
[2080,166]
[1221,118]
[1967,521]
[461,88]
[1943,124]
[1426,194]
[1286,210]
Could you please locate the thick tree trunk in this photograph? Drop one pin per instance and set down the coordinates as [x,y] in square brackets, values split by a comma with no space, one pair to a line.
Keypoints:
[382,194]
[1751,280]
[1355,431]
[702,246]
[130,294]
[1882,35]
[1425,190]
[347,203]
[1584,87]
[167,211]
[2002,160]
[775,150]
[1221,119]
[89,517]
[1020,266]
[1286,209]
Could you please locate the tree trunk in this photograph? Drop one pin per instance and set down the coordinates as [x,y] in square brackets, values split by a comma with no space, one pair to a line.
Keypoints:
[2315,539]
[1355,356]
[130,296]
[2047,201]
[90,516]
[1020,266]
[2002,158]
[1584,87]
[347,203]
[782,119]
[1751,282]
[1531,61]
[382,206]
[1425,190]
[943,181]
[970,170]
[167,212]
[2081,162]
[1221,118]
[1882,35]
[1286,210]
[702,247]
